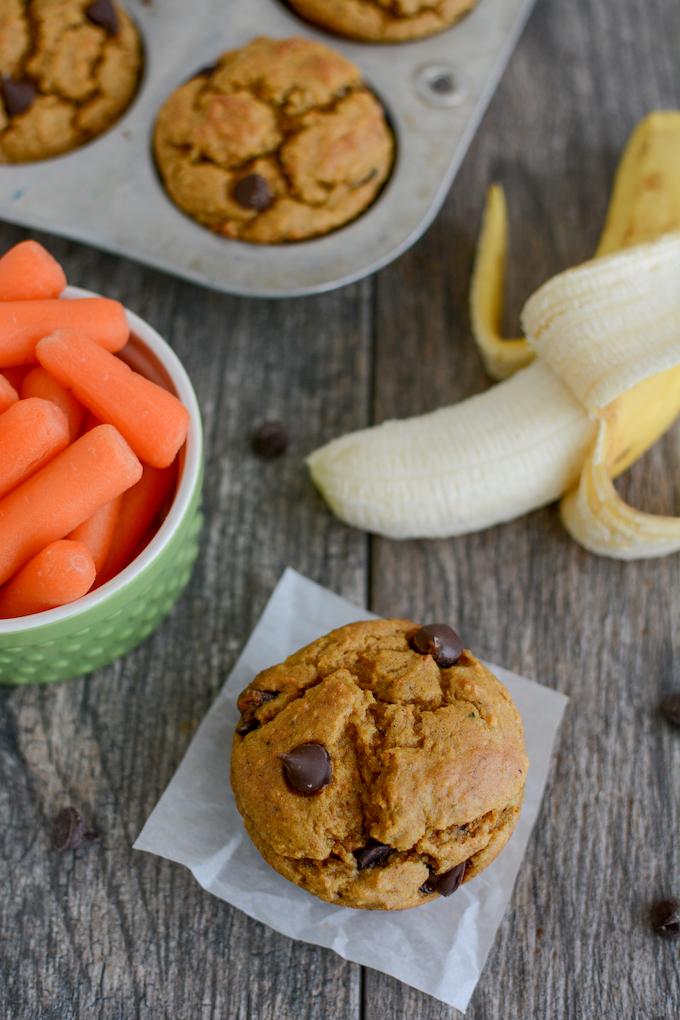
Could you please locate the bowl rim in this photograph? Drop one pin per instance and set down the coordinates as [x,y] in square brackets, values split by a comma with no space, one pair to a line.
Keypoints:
[190,476]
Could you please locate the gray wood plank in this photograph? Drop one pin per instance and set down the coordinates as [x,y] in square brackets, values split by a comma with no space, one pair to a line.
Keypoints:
[575,942]
[115,934]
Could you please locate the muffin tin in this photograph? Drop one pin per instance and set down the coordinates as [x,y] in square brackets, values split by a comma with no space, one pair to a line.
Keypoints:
[108,192]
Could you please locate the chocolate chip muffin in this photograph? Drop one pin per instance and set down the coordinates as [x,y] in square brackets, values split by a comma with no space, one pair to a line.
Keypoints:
[379,767]
[383,20]
[69,70]
[280,141]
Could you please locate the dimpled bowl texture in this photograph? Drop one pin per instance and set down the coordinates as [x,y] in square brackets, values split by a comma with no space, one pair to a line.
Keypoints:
[97,629]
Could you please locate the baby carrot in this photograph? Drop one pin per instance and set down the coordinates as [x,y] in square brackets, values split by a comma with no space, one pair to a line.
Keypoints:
[95,469]
[8,395]
[97,531]
[39,383]
[32,432]
[28,272]
[60,573]
[23,323]
[139,509]
[153,421]
[15,376]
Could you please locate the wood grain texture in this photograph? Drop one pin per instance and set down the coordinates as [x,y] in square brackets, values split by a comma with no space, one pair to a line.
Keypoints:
[576,941]
[112,935]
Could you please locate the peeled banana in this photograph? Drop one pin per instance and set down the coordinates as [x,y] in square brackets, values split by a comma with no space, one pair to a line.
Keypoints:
[604,385]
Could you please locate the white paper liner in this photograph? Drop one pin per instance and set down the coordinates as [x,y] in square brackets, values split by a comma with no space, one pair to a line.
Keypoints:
[439,948]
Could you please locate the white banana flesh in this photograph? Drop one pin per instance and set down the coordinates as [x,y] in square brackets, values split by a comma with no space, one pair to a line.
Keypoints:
[493,457]
[605,384]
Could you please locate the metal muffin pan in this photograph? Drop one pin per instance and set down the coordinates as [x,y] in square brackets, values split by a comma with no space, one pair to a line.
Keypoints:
[108,192]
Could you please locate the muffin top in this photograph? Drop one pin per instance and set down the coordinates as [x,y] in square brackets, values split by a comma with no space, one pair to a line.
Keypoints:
[69,69]
[384,20]
[367,767]
[279,141]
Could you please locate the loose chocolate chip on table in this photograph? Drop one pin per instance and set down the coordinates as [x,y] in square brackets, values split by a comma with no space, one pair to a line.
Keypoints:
[372,854]
[69,831]
[103,14]
[670,708]
[445,884]
[307,768]
[666,918]
[440,641]
[253,192]
[270,439]
[17,96]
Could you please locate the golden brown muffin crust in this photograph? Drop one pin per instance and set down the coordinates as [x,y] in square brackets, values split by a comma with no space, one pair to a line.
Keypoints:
[84,76]
[429,761]
[292,114]
[383,20]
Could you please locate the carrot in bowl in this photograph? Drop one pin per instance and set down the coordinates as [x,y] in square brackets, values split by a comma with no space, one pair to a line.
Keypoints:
[39,383]
[8,395]
[154,421]
[28,272]
[92,471]
[32,432]
[23,323]
[139,508]
[97,532]
[16,375]
[60,573]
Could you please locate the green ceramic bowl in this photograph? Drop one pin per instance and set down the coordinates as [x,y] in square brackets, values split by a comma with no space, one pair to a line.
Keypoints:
[92,632]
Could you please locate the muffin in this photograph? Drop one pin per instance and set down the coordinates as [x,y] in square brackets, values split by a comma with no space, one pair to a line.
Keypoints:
[280,141]
[383,20]
[69,70]
[379,767]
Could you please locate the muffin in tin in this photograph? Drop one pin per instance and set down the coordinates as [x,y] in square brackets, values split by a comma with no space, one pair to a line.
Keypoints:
[279,141]
[69,70]
[381,766]
[383,20]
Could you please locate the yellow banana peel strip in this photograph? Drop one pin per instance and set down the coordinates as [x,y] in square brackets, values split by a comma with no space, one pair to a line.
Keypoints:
[645,202]
[596,516]
[501,357]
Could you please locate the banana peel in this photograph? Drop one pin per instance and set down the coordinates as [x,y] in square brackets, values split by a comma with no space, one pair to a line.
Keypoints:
[604,385]
[645,205]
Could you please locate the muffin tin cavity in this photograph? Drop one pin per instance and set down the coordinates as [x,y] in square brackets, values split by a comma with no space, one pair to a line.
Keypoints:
[109,192]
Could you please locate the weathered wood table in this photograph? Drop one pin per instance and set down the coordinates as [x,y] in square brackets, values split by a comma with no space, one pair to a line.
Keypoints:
[117,935]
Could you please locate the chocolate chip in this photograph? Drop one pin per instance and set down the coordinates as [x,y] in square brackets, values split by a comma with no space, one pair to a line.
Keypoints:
[445,884]
[103,14]
[246,725]
[69,831]
[440,641]
[270,439]
[372,854]
[17,96]
[248,703]
[307,768]
[253,192]
[665,917]
[670,707]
